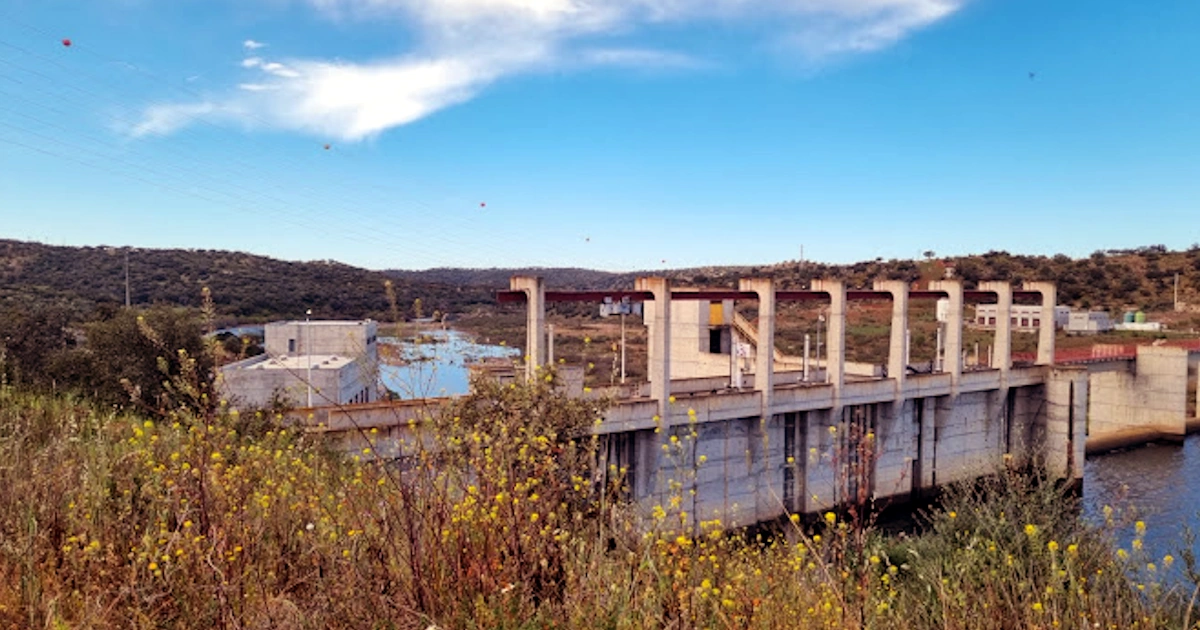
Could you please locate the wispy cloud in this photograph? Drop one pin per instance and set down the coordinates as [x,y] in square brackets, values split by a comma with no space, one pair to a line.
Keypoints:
[161,119]
[465,45]
[279,70]
[642,58]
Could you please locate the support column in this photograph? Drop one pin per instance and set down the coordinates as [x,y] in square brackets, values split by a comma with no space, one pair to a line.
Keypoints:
[835,348]
[535,320]
[1046,327]
[954,328]
[762,470]
[1002,349]
[1063,438]
[659,368]
[897,356]
[653,485]
[764,357]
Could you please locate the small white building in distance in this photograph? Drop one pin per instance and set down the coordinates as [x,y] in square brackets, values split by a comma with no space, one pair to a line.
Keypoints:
[1025,317]
[1089,323]
[315,363]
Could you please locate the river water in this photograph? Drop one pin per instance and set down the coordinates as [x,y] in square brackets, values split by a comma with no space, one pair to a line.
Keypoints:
[437,366]
[1161,482]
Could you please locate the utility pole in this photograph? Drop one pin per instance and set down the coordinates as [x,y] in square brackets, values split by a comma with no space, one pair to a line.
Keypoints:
[622,346]
[308,354]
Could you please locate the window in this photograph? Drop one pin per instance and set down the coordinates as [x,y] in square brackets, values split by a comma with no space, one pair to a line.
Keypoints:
[714,341]
[291,346]
[991,321]
[1024,322]
[982,320]
[1037,323]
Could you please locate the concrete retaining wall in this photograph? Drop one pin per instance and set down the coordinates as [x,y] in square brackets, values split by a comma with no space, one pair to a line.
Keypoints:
[1146,400]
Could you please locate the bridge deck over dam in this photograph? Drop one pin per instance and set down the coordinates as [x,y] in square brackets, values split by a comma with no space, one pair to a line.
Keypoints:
[747,446]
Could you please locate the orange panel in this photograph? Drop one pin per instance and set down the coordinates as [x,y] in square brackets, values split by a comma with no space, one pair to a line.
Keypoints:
[716,314]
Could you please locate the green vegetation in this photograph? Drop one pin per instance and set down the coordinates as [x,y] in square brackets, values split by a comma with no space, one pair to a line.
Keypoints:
[494,519]
[87,280]
[127,357]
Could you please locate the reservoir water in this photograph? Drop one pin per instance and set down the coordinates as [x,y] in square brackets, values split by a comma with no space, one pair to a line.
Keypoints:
[1161,482]
[437,365]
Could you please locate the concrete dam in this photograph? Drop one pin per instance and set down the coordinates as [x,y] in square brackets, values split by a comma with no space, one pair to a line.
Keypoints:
[716,442]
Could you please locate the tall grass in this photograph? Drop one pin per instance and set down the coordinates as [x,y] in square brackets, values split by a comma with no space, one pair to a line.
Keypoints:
[495,518]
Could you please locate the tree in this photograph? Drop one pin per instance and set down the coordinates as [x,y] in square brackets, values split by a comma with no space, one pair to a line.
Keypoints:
[157,359]
[31,343]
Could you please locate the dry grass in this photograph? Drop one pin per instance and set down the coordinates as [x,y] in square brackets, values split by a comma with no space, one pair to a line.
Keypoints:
[496,519]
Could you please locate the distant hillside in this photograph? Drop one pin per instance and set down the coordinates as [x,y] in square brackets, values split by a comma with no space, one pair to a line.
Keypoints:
[1116,279]
[495,278]
[243,286]
[247,287]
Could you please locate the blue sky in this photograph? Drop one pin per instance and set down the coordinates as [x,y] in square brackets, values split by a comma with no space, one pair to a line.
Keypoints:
[616,134]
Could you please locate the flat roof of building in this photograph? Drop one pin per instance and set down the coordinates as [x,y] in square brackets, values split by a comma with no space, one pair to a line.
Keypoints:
[323,322]
[298,363]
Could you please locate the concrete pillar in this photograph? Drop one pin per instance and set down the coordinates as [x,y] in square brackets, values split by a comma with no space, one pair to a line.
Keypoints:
[1002,357]
[659,370]
[1046,328]
[835,348]
[897,356]
[954,328]
[535,320]
[762,470]
[1064,432]
[764,358]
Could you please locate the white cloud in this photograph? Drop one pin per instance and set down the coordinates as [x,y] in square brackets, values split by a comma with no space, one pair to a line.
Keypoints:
[163,119]
[279,70]
[641,58]
[465,45]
